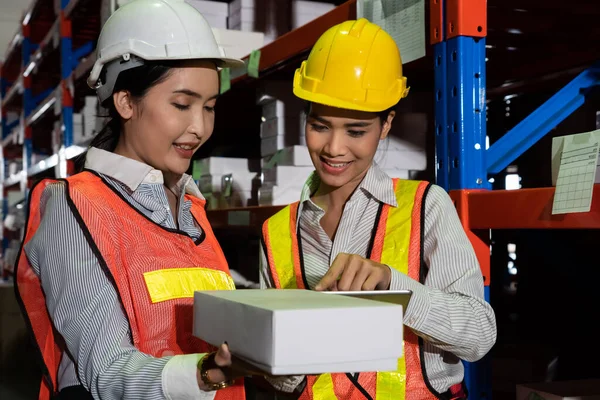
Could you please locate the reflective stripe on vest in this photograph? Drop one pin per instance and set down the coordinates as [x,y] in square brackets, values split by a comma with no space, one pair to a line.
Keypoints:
[397,243]
[155,272]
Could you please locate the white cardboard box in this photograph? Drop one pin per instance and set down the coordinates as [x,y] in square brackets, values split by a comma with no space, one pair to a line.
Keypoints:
[210,7]
[293,155]
[236,43]
[295,332]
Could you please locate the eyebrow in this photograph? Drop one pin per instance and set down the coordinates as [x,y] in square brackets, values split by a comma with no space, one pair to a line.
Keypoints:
[194,94]
[349,125]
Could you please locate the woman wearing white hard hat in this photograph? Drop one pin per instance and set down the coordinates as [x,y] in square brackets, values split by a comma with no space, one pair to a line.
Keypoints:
[112,255]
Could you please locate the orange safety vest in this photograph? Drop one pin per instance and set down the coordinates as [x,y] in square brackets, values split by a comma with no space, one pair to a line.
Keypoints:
[397,243]
[154,269]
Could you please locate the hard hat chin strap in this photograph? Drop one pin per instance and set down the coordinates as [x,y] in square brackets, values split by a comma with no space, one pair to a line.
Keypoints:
[113,69]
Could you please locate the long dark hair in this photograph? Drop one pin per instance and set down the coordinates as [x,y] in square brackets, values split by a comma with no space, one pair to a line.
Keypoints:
[137,81]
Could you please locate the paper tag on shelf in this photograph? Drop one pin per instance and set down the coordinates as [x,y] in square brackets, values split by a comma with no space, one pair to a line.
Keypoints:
[404,20]
[253,63]
[225,80]
[576,174]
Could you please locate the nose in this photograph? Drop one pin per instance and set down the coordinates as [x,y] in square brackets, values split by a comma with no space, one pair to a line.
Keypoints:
[198,125]
[336,145]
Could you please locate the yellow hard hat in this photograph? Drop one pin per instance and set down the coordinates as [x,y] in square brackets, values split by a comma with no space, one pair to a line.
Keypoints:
[354,65]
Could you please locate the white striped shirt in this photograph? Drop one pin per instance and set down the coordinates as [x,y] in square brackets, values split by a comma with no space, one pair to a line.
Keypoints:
[448,311]
[84,305]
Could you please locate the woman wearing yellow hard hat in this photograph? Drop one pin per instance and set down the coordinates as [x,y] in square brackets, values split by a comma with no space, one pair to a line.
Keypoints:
[355,228]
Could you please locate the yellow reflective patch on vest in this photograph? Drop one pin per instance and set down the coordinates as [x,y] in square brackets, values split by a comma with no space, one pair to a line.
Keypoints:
[323,388]
[396,244]
[177,283]
[281,247]
[392,385]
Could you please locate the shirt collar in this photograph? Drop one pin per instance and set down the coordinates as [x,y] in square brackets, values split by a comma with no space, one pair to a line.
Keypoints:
[133,173]
[376,183]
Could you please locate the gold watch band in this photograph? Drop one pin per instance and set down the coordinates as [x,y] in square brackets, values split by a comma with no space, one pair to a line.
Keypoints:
[207,363]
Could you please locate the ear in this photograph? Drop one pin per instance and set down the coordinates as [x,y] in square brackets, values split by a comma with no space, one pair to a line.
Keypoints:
[387,125]
[123,104]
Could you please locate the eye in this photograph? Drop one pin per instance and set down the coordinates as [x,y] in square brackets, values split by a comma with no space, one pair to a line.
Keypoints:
[181,107]
[318,127]
[210,109]
[356,134]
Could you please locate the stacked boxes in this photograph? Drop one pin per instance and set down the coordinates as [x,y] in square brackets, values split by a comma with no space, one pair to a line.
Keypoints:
[86,124]
[227,182]
[216,13]
[273,17]
[305,11]
[238,44]
[286,163]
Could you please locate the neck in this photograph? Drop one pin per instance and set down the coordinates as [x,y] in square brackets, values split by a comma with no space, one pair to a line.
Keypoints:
[328,197]
[171,179]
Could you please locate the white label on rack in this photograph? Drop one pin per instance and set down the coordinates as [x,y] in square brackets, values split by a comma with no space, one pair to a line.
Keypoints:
[576,174]
[404,20]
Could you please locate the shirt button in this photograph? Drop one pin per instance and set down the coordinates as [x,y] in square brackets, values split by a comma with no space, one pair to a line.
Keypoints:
[152,178]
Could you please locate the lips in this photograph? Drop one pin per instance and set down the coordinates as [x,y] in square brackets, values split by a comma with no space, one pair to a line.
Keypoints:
[186,146]
[186,150]
[335,167]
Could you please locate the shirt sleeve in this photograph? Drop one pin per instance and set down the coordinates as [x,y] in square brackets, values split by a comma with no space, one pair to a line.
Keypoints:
[266,280]
[449,309]
[86,310]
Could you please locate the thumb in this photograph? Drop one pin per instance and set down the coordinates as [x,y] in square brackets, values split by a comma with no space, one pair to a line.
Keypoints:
[223,356]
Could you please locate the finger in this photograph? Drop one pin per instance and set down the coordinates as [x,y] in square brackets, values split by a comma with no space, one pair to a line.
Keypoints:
[372,281]
[334,287]
[223,356]
[219,371]
[334,272]
[349,274]
[361,277]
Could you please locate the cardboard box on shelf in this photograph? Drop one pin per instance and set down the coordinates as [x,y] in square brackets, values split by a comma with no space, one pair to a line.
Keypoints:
[296,332]
[293,155]
[206,7]
[291,127]
[238,44]
[283,174]
[274,195]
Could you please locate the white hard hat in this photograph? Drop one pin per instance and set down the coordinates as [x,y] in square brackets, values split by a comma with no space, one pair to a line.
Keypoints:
[152,30]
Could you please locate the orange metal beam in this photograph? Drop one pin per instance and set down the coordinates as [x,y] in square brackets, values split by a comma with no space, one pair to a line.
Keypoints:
[435,21]
[480,239]
[466,18]
[301,39]
[524,209]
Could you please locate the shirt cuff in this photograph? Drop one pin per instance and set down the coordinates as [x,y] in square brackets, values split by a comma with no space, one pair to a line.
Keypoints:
[285,384]
[179,379]
[418,307]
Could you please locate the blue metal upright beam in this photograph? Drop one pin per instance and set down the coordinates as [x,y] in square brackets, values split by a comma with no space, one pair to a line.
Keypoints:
[458,30]
[465,97]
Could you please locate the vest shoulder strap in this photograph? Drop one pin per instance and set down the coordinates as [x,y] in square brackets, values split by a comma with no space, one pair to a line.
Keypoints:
[280,242]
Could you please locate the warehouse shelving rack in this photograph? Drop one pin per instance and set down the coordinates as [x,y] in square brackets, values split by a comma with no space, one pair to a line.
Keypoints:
[42,80]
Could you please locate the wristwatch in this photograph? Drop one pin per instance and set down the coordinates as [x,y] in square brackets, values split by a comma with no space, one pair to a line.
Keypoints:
[207,363]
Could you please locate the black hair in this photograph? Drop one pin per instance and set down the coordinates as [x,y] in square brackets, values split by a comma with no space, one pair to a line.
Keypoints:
[383,115]
[137,81]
